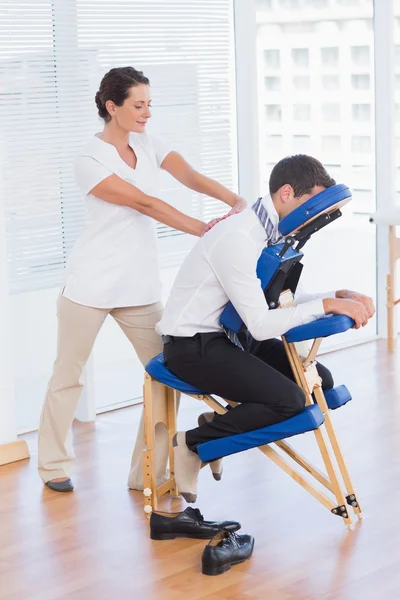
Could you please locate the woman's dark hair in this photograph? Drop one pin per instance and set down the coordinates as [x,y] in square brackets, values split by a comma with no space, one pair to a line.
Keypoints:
[115,86]
[302,172]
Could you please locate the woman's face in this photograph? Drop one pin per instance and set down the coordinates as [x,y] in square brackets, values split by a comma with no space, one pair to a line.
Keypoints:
[135,111]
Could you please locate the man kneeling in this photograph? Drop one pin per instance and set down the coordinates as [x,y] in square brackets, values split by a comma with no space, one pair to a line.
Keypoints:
[222,267]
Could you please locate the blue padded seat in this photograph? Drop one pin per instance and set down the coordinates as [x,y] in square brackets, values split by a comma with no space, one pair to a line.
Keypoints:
[328,325]
[308,420]
[314,207]
[157,369]
[337,397]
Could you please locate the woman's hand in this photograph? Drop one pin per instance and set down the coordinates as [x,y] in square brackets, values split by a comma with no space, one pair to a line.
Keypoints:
[237,208]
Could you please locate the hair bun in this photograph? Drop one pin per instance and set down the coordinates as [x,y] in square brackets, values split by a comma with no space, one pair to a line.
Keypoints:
[100,106]
[98,101]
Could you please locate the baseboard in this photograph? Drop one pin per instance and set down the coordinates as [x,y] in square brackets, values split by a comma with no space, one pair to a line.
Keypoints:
[13,452]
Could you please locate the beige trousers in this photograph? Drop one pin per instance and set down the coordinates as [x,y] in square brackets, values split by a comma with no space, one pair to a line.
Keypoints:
[78,327]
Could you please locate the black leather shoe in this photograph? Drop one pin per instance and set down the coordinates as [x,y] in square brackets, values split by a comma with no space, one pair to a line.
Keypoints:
[60,486]
[224,550]
[190,523]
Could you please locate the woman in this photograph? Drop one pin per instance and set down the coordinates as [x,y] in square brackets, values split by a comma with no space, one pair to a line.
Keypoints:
[113,267]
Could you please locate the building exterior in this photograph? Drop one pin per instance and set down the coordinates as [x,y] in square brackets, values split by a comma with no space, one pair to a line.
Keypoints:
[316,88]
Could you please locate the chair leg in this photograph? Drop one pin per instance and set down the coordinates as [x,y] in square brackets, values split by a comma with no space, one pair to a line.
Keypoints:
[171,420]
[390,311]
[283,464]
[390,287]
[351,497]
[341,509]
[149,462]
[214,404]
[309,381]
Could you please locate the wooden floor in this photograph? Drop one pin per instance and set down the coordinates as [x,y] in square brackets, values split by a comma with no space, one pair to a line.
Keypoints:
[94,543]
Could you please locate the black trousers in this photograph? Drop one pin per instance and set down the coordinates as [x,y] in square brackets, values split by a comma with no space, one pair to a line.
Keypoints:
[259,378]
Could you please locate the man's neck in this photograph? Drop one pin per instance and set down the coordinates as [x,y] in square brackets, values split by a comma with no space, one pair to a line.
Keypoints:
[277,206]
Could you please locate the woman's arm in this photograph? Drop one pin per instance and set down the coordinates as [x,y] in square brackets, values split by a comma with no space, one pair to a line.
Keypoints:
[177,166]
[115,190]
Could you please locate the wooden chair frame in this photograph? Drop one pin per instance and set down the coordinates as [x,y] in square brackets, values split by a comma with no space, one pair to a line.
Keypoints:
[391,220]
[391,302]
[160,407]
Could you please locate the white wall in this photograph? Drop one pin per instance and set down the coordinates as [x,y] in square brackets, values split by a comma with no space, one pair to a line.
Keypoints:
[8,426]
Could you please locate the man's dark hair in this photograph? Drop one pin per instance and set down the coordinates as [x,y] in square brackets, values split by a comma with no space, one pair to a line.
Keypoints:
[302,172]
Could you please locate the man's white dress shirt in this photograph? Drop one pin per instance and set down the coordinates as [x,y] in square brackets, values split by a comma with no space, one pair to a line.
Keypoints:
[222,267]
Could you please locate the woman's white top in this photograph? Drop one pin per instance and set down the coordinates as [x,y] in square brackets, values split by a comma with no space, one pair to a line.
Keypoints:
[114,263]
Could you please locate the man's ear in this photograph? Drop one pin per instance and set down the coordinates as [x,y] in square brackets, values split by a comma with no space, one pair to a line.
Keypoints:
[286,193]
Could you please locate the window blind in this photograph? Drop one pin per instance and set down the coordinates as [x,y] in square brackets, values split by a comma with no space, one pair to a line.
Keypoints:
[53,55]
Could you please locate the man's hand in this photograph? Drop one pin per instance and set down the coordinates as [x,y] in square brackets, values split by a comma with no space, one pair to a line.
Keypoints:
[352,308]
[237,208]
[365,300]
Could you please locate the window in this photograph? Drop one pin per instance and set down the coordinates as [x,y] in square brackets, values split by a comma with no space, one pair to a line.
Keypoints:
[362,177]
[274,146]
[273,112]
[361,82]
[301,112]
[272,84]
[326,70]
[300,57]
[272,59]
[360,55]
[330,57]
[361,144]
[53,57]
[331,144]
[361,112]
[301,144]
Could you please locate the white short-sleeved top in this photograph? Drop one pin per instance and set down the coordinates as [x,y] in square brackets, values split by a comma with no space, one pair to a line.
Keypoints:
[114,263]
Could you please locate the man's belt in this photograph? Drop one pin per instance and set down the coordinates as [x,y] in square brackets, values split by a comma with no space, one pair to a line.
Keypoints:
[167,339]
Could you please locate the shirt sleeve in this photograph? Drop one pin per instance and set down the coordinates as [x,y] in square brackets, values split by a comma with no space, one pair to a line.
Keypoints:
[302,296]
[234,261]
[89,173]
[161,149]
